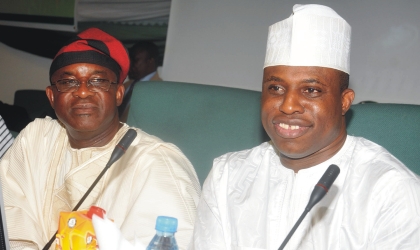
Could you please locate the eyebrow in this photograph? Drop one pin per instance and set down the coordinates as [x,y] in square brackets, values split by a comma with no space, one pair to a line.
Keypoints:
[278,79]
[69,73]
[313,80]
[98,72]
[66,73]
[273,79]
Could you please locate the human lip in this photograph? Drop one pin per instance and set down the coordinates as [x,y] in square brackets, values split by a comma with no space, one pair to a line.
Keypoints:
[290,131]
[84,108]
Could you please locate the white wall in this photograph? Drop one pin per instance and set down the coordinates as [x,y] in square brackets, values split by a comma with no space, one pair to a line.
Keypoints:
[21,70]
[222,42]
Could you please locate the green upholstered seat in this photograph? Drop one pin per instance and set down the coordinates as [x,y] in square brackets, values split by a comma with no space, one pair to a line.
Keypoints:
[203,121]
[207,121]
[396,127]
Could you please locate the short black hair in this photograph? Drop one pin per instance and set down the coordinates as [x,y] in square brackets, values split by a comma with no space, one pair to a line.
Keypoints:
[148,46]
[344,81]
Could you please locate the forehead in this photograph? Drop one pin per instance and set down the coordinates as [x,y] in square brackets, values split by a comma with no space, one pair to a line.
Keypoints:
[139,54]
[83,69]
[302,74]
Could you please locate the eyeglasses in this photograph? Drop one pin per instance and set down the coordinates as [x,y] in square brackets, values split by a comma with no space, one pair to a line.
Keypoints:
[94,85]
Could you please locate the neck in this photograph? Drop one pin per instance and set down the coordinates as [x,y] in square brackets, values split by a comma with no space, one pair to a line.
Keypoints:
[316,158]
[86,139]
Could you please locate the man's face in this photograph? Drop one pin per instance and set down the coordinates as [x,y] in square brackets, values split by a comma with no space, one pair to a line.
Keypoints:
[83,110]
[141,65]
[302,111]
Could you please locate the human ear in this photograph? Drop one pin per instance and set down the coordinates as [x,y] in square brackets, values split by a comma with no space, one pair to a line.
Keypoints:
[347,97]
[50,95]
[119,94]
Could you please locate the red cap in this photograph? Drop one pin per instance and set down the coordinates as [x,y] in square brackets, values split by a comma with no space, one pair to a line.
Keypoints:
[94,46]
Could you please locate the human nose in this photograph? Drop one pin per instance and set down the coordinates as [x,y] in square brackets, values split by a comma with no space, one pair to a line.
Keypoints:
[291,103]
[83,91]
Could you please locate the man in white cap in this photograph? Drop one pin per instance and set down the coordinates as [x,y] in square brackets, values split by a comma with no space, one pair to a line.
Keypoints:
[253,198]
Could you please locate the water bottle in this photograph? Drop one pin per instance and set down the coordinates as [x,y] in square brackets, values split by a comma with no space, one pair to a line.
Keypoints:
[164,238]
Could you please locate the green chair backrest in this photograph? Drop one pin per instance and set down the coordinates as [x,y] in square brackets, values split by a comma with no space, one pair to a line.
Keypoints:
[203,121]
[396,127]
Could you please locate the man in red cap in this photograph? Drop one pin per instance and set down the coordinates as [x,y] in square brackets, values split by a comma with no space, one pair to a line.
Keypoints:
[53,163]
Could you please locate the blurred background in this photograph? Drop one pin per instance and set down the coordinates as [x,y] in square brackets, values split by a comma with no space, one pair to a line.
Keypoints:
[217,42]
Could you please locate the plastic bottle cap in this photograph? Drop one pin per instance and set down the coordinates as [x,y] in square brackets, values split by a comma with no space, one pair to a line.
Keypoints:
[97,211]
[166,224]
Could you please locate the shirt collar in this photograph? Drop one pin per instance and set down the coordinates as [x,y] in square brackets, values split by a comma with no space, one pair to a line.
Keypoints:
[148,77]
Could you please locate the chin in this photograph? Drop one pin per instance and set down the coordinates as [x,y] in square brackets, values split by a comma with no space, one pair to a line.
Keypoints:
[83,127]
[293,156]
[292,153]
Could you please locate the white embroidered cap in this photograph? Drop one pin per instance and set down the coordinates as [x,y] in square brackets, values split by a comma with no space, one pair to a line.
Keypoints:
[314,35]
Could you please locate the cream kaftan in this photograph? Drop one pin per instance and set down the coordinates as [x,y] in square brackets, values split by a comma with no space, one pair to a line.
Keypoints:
[42,175]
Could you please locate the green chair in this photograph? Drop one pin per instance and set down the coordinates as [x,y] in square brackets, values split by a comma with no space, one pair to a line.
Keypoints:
[203,121]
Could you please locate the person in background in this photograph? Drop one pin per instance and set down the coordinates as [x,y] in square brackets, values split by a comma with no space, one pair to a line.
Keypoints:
[53,162]
[144,64]
[6,138]
[252,198]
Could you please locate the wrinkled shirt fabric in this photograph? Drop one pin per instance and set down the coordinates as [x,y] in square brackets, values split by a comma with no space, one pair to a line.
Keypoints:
[250,201]
[42,175]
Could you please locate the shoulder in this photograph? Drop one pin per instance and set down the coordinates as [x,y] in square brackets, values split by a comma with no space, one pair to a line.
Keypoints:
[147,143]
[36,141]
[379,173]
[150,157]
[380,191]
[156,77]
[370,157]
[41,129]
[151,151]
